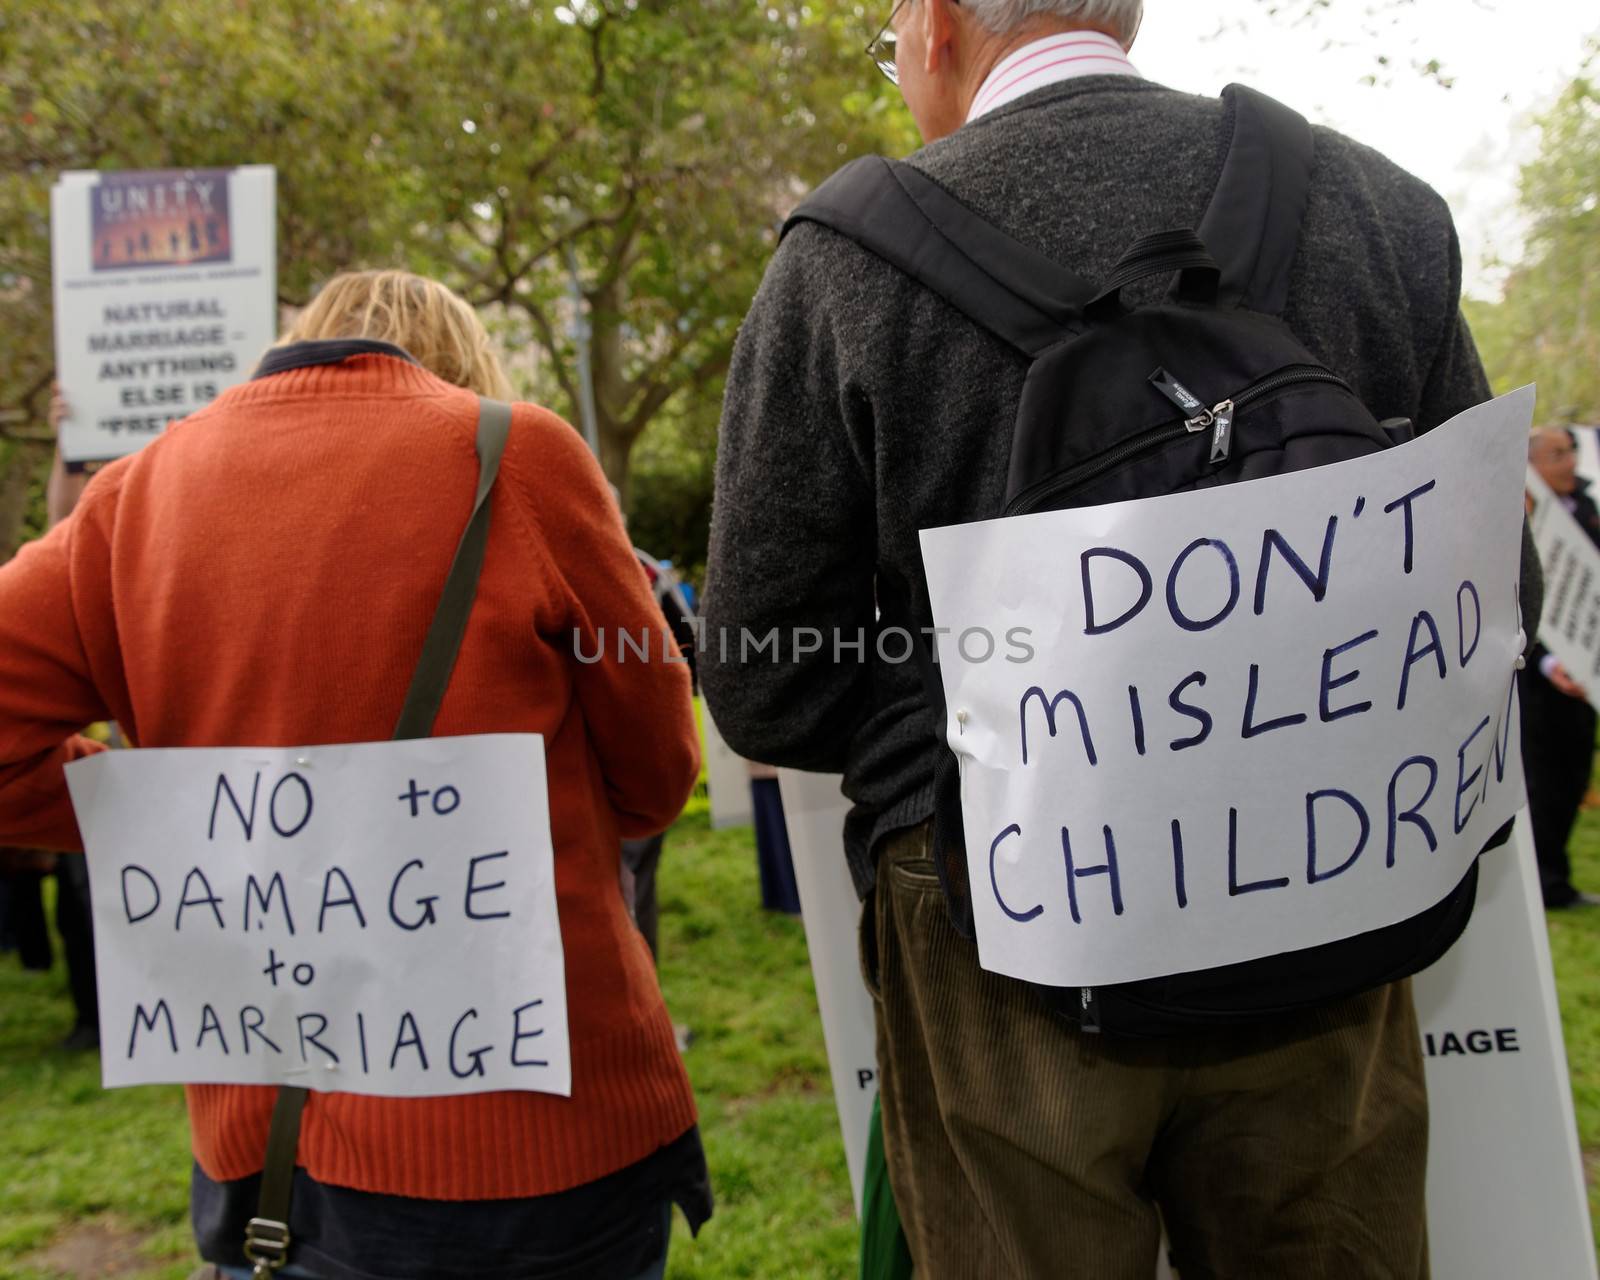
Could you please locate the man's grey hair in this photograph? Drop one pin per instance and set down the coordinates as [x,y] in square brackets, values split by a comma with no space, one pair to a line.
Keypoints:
[1120,17]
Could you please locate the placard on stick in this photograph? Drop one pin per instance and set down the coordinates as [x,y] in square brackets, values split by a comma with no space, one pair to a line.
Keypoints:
[165,295]
[375,918]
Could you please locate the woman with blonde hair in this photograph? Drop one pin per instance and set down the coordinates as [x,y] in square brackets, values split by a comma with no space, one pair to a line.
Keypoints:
[264,574]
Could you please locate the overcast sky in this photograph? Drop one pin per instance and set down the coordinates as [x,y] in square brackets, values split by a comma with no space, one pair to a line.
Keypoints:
[1466,141]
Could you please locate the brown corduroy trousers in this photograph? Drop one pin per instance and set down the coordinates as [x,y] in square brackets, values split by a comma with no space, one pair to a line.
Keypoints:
[1019,1146]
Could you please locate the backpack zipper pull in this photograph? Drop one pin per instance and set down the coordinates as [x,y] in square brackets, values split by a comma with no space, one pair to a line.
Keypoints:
[1179,394]
[1088,1020]
[1222,432]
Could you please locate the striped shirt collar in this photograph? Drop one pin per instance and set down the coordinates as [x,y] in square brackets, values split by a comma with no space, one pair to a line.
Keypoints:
[1043,62]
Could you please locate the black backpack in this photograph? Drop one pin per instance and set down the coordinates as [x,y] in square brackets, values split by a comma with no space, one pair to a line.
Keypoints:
[1206,387]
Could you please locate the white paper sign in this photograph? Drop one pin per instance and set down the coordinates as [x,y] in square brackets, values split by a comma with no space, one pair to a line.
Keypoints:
[1226,724]
[1570,627]
[165,295]
[375,918]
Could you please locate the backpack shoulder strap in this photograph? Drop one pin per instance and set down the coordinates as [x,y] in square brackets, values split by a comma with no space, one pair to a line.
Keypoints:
[900,214]
[1252,226]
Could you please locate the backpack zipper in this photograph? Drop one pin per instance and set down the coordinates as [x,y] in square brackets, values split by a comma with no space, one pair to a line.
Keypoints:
[1219,418]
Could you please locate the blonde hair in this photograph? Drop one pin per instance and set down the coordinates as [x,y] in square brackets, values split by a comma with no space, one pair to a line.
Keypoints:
[437,327]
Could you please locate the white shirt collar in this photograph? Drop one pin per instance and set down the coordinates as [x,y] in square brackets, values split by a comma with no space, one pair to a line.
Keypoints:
[1059,57]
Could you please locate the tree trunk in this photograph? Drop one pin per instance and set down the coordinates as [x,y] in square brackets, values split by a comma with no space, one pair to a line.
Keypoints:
[19,467]
[616,448]
[608,355]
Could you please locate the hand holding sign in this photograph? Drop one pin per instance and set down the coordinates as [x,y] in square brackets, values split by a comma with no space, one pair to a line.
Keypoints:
[377,918]
[1565,683]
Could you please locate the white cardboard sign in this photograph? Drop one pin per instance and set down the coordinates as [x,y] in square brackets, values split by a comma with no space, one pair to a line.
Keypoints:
[165,295]
[374,918]
[1225,724]
[1506,1194]
[1570,627]
[814,811]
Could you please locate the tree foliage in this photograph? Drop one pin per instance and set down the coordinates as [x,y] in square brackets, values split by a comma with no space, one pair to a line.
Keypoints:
[1379,24]
[647,147]
[661,143]
[1546,327]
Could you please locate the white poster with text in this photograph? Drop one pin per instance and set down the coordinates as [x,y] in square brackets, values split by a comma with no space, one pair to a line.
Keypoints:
[373,918]
[165,295]
[1570,626]
[1225,724]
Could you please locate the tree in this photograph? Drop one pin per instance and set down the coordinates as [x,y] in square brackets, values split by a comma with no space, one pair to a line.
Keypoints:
[653,144]
[1380,24]
[121,84]
[1546,327]
[652,151]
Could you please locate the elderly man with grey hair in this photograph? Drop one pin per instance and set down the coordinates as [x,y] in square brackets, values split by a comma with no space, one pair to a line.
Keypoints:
[861,408]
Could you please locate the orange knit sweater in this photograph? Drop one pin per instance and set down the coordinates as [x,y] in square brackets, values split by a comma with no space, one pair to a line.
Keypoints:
[263,574]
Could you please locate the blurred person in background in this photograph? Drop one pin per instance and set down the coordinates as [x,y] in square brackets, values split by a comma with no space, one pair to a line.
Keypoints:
[22,915]
[641,857]
[74,916]
[1558,723]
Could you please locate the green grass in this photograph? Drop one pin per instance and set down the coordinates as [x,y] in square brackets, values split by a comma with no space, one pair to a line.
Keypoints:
[72,1154]
[740,977]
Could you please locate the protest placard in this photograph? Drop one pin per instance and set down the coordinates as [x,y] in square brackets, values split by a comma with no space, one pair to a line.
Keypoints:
[375,918]
[165,294]
[1506,1191]
[813,813]
[1570,626]
[1231,723]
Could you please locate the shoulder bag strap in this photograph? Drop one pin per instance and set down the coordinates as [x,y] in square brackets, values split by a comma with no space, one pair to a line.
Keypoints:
[266,1240]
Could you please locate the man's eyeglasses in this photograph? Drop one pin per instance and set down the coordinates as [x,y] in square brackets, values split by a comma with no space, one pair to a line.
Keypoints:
[881,47]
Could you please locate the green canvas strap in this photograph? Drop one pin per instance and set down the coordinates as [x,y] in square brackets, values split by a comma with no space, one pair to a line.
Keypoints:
[438,659]
[266,1239]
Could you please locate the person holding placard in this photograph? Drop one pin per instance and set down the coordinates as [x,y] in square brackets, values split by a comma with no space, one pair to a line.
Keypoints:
[74,918]
[263,575]
[66,484]
[1558,722]
[873,398]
